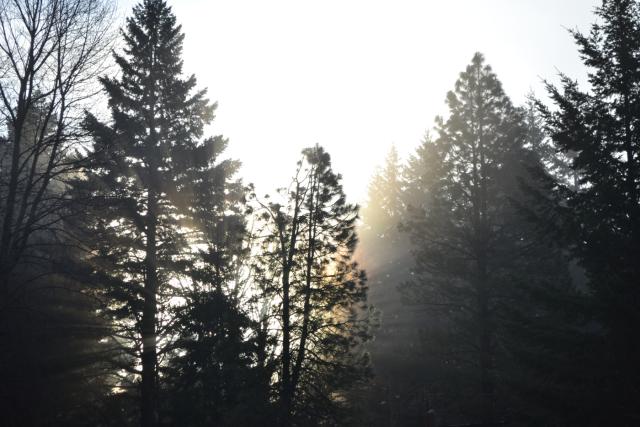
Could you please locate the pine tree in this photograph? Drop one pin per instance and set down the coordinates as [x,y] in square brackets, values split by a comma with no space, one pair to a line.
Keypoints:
[600,127]
[384,202]
[384,251]
[381,243]
[322,293]
[213,374]
[473,250]
[556,163]
[141,185]
[382,246]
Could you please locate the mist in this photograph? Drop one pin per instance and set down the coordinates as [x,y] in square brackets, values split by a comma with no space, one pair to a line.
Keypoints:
[336,214]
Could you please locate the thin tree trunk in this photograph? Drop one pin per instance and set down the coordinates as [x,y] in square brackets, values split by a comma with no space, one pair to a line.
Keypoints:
[286,354]
[486,350]
[307,289]
[149,351]
[6,264]
[286,397]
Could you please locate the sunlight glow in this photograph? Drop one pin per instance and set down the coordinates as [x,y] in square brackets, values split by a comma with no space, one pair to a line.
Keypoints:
[360,75]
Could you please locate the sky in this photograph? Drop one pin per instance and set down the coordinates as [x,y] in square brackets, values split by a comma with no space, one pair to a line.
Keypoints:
[358,76]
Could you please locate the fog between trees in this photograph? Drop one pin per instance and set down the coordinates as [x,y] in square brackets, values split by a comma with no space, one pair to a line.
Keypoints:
[489,279]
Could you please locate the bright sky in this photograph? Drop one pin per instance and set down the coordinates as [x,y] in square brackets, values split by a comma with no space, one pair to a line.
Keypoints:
[359,75]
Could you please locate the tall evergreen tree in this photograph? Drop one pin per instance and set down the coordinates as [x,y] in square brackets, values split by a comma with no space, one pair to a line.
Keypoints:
[473,251]
[601,126]
[555,163]
[214,375]
[142,187]
[322,294]
[384,201]
[395,394]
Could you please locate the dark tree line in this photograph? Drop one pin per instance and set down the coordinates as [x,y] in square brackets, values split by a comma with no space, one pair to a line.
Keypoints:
[142,282]
[523,237]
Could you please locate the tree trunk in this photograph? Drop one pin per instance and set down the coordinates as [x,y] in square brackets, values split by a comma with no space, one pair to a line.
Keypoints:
[306,311]
[486,350]
[286,392]
[285,418]
[6,264]
[148,408]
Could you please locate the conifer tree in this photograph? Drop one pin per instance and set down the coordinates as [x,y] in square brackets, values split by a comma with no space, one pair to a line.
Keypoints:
[213,375]
[599,127]
[382,246]
[384,201]
[141,185]
[322,292]
[473,251]
[555,163]
[384,251]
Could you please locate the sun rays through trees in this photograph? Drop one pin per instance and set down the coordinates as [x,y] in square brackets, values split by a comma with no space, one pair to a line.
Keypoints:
[490,277]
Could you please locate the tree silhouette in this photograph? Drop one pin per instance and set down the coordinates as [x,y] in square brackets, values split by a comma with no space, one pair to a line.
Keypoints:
[474,252]
[322,293]
[599,127]
[51,52]
[141,184]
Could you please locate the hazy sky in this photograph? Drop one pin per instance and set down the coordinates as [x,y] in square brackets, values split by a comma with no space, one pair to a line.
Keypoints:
[358,76]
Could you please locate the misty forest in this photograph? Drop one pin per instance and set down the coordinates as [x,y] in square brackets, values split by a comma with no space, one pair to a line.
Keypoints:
[491,277]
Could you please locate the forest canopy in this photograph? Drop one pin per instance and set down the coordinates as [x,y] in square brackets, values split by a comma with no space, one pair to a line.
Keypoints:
[489,278]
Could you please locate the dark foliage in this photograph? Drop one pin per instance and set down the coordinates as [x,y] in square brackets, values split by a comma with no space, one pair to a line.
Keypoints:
[320,294]
[143,283]
[599,128]
[141,192]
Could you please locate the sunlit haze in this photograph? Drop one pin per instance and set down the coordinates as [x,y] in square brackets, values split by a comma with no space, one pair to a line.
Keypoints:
[359,76]
[483,273]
